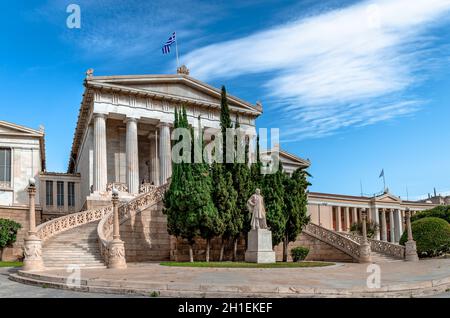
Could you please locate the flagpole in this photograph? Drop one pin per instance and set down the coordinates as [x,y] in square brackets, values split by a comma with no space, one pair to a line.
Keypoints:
[176,50]
[384,183]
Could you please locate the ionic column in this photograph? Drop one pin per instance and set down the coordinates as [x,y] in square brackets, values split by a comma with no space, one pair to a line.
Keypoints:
[154,160]
[347,219]
[391,226]
[132,156]
[355,215]
[100,163]
[165,153]
[383,225]
[338,219]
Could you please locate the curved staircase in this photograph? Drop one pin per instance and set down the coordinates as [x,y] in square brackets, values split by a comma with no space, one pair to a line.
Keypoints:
[82,239]
[78,246]
[381,252]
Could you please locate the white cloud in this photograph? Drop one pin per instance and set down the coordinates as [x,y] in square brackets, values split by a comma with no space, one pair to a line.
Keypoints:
[346,67]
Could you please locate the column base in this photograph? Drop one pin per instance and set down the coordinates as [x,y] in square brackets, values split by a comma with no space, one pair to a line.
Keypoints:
[365,253]
[33,254]
[116,257]
[411,251]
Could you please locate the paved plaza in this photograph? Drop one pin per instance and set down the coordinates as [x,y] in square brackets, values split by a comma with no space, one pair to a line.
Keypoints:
[398,279]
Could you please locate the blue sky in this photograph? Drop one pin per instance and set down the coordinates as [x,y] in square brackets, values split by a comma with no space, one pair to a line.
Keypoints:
[355,86]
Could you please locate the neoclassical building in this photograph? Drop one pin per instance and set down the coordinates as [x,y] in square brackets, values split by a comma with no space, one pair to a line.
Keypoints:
[123,141]
[123,134]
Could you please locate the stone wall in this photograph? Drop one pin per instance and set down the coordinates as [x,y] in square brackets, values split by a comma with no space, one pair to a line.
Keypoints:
[318,250]
[20,215]
[146,237]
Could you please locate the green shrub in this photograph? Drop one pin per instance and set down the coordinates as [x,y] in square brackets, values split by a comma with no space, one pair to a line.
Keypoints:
[441,211]
[371,227]
[432,236]
[299,253]
[8,233]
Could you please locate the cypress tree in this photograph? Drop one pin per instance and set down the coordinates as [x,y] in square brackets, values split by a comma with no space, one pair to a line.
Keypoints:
[188,202]
[273,192]
[295,198]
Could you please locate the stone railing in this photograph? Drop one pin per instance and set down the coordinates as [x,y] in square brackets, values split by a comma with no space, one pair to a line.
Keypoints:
[5,184]
[335,239]
[121,187]
[382,247]
[51,228]
[126,211]
[146,187]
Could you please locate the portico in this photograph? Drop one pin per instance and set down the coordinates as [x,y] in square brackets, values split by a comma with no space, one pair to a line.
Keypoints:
[339,212]
[123,134]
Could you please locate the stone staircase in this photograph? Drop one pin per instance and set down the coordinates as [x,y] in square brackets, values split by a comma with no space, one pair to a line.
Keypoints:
[382,258]
[78,246]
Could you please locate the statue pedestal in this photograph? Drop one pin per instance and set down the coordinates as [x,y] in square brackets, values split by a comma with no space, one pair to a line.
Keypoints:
[259,248]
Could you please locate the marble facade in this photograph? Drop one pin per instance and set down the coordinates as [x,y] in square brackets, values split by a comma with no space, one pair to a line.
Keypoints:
[123,134]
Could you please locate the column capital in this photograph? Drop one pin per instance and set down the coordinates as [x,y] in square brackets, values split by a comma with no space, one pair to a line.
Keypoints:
[131,119]
[164,124]
[99,115]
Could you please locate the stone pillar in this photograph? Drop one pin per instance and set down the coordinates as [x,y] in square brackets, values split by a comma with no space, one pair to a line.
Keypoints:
[391,226]
[365,252]
[376,219]
[398,225]
[100,162]
[410,245]
[355,215]
[154,159]
[33,245]
[338,219]
[132,156]
[116,257]
[165,153]
[347,219]
[383,225]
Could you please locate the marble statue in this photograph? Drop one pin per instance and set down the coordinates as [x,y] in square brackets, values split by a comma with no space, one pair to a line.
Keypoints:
[256,207]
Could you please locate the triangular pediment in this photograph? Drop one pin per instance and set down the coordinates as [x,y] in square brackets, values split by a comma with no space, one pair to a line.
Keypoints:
[10,129]
[388,197]
[288,158]
[181,86]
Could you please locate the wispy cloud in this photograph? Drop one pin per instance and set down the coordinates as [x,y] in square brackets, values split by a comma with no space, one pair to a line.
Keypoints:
[353,66]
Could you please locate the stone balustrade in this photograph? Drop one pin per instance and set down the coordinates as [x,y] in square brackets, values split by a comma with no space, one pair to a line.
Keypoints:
[335,239]
[120,186]
[391,249]
[51,228]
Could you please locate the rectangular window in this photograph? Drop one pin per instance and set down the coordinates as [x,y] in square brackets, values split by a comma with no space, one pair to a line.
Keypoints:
[60,193]
[5,167]
[71,193]
[49,193]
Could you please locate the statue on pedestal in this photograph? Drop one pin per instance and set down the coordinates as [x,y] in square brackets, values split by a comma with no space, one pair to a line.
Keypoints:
[256,207]
[259,249]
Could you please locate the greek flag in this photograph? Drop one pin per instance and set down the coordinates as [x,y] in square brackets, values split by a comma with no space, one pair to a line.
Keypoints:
[169,42]
[381,174]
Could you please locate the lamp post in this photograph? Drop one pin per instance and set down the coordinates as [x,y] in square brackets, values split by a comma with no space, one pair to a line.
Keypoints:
[33,244]
[116,255]
[364,252]
[410,245]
